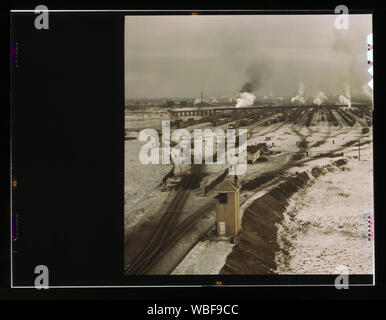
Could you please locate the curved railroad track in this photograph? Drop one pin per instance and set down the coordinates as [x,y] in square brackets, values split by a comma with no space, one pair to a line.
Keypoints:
[150,251]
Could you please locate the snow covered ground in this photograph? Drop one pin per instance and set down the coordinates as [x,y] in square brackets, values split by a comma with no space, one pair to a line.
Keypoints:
[326,224]
[140,183]
[207,257]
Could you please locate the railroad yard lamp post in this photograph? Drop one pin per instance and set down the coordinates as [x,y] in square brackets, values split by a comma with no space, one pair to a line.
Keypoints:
[363,132]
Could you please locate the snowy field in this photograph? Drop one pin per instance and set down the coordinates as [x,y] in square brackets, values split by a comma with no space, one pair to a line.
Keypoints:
[141,183]
[207,257]
[140,178]
[326,224]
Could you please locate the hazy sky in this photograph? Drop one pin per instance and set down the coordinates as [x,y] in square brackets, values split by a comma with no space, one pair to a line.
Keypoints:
[178,56]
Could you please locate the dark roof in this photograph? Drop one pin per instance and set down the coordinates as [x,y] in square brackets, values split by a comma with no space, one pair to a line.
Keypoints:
[262,145]
[252,149]
[256,147]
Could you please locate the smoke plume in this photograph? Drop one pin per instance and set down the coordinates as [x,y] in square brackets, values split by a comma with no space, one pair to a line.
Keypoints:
[347,92]
[320,98]
[367,91]
[299,98]
[246,99]
[256,74]
[346,98]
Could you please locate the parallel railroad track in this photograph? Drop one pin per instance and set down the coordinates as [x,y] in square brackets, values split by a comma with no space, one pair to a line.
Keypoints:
[164,238]
[144,259]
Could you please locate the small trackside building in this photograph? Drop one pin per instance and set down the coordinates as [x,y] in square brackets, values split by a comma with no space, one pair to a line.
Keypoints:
[254,151]
[228,208]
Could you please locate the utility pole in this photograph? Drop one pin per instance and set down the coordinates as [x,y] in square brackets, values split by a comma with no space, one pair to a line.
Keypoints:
[201,97]
[359,149]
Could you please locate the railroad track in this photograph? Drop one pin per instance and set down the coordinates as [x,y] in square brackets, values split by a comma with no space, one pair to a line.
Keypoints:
[178,233]
[310,115]
[271,129]
[271,175]
[164,238]
[349,119]
[150,251]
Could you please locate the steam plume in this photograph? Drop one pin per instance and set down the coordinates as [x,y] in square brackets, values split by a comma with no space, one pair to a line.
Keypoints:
[246,99]
[320,98]
[367,91]
[299,98]
[256,74]
[346,98]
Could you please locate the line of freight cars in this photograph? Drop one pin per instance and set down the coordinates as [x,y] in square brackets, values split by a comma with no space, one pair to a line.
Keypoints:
[279,118]
[248,119]
[346,117]
[331,118]
[310,115]
[365,115]
[179,123]
[296,115]
[362,112]
[357,112]
[218,120]
[215,120]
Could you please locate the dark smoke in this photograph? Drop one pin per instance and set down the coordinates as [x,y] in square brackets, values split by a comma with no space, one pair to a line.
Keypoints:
[256,74]
[248,87]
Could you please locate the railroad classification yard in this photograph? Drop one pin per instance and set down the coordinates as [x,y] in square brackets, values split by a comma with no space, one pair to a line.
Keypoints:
[171,209]
[248,145]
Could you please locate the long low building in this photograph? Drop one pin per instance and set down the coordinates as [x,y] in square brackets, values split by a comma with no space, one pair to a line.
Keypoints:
[215,109]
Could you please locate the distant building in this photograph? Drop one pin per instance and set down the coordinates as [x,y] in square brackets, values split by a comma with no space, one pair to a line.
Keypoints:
[254,151]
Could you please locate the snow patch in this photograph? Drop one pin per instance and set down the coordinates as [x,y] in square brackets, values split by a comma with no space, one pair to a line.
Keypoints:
[326,225]
[207,257]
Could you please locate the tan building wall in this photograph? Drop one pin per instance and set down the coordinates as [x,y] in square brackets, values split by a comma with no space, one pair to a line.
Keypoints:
[230,214]
[253,157]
